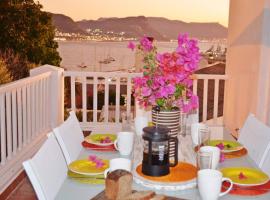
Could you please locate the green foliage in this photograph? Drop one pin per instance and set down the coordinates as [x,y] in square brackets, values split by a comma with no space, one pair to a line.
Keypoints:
[5,76]
[28,31]
[17,66]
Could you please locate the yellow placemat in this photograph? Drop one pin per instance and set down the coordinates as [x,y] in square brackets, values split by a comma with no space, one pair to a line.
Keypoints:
[96,179]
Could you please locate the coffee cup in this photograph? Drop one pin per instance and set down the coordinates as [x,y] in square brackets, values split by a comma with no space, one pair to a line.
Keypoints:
[214,152]
[124,143]
[118,163]
[210,182]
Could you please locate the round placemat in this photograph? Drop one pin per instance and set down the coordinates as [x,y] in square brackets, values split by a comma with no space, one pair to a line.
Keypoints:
[247,191]
[236,154]
[179,173]
[181,177]
[230,155]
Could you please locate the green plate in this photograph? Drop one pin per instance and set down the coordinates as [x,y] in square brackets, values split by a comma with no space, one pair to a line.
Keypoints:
[98,138]
[86,167]
[248,177]
[229,146]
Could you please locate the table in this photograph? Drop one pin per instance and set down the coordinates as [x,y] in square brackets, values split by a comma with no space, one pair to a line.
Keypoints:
[71,190]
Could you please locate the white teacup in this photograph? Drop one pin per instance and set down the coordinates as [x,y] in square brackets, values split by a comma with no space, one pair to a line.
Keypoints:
[195,131]
[215,155]
[140,123]
[124,143]
[118,163]
[209,184]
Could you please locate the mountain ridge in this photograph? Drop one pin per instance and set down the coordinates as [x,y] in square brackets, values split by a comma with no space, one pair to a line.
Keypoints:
[160,28]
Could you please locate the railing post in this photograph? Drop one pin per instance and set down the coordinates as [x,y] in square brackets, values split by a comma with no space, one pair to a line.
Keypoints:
[56,92]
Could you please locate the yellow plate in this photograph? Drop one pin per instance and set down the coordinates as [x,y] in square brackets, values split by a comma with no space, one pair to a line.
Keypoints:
[250,176]
[97,138]
[87,167]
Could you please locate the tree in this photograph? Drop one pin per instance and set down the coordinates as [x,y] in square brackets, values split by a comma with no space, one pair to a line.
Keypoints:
[5,76]
[28,31]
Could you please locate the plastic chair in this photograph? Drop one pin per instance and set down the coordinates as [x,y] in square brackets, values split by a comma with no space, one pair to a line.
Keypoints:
[255,136]
[47,170]
[69,136]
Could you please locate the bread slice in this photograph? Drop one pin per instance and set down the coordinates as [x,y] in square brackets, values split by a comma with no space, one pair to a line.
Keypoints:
[159,197]
[142,195]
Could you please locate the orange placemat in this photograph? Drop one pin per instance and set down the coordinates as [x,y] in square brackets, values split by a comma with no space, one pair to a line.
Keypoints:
[236,154]
[247,191]
[180,173]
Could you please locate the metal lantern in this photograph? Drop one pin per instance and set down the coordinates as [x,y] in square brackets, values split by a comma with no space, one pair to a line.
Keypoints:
[156,155]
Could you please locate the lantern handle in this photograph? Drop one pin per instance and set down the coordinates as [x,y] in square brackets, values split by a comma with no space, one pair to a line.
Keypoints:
[175,141]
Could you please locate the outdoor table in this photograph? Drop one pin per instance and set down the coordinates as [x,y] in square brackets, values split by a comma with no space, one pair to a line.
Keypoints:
[71,190]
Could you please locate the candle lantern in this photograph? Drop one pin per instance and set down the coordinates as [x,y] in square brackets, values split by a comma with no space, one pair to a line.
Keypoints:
[156,155]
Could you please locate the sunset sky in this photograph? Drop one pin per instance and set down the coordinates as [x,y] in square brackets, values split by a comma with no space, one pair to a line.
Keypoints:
[186,10]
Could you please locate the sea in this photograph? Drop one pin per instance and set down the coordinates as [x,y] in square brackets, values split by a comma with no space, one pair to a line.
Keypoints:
[90,55]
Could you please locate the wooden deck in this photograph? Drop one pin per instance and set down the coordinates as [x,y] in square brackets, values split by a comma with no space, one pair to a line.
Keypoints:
[23,191]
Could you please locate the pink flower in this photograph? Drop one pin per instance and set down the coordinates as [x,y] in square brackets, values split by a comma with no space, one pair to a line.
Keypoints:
[146,44]
[131,45]
[92,158]
[242,176]
[222,157]
[146,91]
[168,75]
[220,146]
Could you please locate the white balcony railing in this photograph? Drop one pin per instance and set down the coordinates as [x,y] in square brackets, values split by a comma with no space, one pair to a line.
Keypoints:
[24,118]
[31,107]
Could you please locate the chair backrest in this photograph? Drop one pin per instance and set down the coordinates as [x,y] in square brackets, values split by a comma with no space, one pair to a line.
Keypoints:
[47,170]
[255,136]
[265,164]
[69,136]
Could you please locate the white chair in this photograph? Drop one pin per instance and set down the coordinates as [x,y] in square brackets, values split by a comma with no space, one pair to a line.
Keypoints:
[47,170]
[69,136]
[255,136]
[265,164]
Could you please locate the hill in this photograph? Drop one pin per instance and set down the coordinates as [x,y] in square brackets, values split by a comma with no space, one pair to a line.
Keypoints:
[160,28]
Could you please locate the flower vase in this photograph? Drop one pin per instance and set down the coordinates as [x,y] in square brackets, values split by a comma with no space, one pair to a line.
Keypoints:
[171,119]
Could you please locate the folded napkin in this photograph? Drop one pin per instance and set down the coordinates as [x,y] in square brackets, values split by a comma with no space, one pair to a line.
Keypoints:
[87,179]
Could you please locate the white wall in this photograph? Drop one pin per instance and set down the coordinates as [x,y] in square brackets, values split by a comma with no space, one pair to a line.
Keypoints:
[248,62]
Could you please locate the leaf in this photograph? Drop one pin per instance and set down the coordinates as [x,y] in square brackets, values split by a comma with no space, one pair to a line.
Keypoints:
[160,102]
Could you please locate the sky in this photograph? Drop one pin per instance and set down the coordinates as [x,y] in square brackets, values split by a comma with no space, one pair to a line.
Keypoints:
[185,10]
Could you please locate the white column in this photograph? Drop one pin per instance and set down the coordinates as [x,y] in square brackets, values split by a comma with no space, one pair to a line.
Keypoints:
[56,91]
[248,63]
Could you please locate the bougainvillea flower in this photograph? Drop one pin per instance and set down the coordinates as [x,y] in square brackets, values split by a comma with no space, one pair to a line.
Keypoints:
[220,146]
[168,76]
[131,45]
[242,176]
[146,91]
[146,44]
[222,157]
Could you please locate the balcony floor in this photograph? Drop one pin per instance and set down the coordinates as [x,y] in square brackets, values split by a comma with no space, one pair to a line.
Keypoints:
[23,191]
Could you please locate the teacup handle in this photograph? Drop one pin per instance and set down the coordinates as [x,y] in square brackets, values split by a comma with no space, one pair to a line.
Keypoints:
[115,145]
[229,189]
[106,172]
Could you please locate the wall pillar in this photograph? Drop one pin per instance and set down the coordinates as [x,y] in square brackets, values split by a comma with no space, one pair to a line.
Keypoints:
[248,63]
